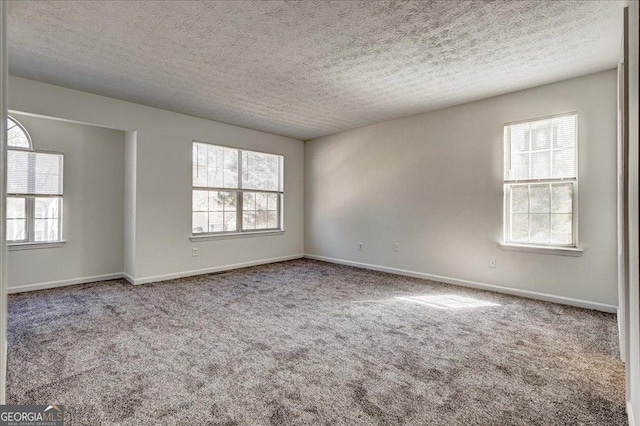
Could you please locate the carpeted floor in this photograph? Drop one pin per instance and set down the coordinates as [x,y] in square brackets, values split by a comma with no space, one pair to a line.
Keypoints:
[307,342]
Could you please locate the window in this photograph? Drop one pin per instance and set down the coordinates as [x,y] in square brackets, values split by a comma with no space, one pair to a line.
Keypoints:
[34,190]
[540,182]
[235,190]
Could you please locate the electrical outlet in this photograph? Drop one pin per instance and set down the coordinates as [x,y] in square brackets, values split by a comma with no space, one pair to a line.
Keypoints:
[492,263]
[396,246]
[194,252]
[360,246]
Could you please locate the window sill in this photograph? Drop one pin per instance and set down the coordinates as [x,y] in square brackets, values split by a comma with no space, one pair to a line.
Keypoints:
[211,237]
[35,245]
[560,251]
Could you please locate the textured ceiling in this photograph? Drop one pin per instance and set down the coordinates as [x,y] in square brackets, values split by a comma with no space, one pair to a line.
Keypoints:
[309,68]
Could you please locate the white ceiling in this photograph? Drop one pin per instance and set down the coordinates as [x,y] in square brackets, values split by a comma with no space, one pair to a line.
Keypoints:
[309,68]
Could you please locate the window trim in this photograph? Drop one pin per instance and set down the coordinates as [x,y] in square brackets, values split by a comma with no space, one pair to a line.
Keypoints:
[33,245]
[572,249]
[239,232]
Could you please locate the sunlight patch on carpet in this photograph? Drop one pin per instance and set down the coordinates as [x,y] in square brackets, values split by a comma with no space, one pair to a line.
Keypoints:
[448,301]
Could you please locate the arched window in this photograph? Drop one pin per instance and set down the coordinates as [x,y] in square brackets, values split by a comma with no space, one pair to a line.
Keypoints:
[17,135]
[34,190]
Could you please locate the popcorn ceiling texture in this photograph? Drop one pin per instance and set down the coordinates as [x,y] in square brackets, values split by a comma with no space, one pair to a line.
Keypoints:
[311,68]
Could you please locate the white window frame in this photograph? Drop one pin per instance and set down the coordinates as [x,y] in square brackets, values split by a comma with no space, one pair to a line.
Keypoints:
[571,249]
[29,242]
[239,190]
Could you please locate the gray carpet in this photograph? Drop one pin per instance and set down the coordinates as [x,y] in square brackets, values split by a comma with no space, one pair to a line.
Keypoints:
[307,342]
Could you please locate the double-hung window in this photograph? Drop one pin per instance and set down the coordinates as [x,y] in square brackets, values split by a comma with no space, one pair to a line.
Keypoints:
[235,190]
[540,182]
[34,190]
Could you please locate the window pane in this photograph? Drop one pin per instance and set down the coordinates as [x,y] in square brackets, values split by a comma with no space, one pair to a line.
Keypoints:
[272,219]
[46,230]
[249,200]
[272,201]
[230,221]
[261,201]
[249,220]
[520,199]
[520,138]
[230,168]
[16,229]
[16,136]
[17,172]
[215,166]
[561,229]
[47,173]
[230,200]
[540,199]
[47,208]
[199,176]
[551,151]
[200,201]
[220,201]
[216,222]
[540,165]
[260,211]
[564,132]
[564,163]
[222,165]
[200,154]
[562,198]
[260,171]
[214,211]
[216,201]
[520,227]
[34,173]
[16,208]
[540,135]
[200,222]
[520,167]
[539,228]
[261,219]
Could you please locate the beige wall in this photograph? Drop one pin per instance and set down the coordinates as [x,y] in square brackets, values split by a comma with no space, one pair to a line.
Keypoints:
[433,183]
[92,204]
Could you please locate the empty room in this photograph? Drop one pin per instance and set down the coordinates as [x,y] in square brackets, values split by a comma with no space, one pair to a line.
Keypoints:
[319,213]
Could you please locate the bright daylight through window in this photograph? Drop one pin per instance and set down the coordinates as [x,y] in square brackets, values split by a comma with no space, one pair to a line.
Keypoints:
[235,190]
[34,190]
[540,182]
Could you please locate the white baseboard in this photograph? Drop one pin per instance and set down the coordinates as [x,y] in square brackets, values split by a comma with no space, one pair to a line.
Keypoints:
[465,283]
[63,283]
[156,278]
[128,278]
[222,268]
[632,421]
[473,284]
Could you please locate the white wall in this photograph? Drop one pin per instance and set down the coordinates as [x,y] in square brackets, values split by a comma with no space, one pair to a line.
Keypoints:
[3,190]
[633,340]
[93,205]
[130,158]
[433,183]
[163,179]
